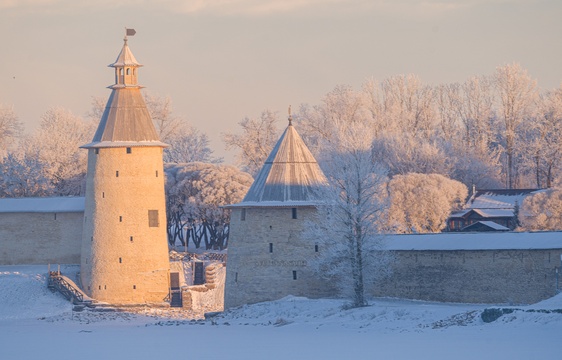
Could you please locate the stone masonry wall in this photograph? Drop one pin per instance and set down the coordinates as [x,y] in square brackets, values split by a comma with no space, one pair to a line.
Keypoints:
[124,250]
[266,253]
[473,276]
[40,238]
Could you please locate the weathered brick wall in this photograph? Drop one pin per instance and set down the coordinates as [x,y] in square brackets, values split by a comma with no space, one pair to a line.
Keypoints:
[473,276]
[255,274]
[40,238]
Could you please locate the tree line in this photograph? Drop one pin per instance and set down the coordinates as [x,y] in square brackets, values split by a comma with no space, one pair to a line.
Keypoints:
[493,131]
[49,162]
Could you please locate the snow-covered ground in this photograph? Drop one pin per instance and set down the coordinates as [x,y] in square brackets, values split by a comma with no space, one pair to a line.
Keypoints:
[37,324]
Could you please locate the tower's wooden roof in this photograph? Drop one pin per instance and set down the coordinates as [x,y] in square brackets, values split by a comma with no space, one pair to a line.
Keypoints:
[290,176]
[126,120]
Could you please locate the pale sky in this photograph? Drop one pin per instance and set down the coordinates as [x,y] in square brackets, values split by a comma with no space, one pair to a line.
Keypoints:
[222,60]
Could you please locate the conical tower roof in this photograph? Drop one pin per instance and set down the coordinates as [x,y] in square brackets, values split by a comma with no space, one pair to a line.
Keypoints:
[289,177]
[126,121]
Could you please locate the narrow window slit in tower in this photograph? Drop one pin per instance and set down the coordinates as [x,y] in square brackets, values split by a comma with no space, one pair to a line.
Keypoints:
[120,260]
[92,238]
[128,150]
[316,248]
[103,195]
[270,247]
[96,151]
[243,215]
[131,238]
[100,287]
[156,173]
[120,218]
[117,174]
[105,287]
[294,212]
[134,287]
[294,275]
[236,277]
[55,216]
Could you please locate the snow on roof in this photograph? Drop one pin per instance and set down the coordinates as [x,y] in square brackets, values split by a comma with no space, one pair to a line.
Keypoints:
[487,213]
[499,198]
[249,204]
[493,225]
[476,241]
[125,57]
[494,212]
[38,205]
[121,144]
[290,174]
[490,224]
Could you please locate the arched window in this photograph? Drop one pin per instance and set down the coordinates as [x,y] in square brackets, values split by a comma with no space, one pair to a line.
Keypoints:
[128,71]
[120,71]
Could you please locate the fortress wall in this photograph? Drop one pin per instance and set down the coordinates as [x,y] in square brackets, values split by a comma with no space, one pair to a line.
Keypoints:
[40,238]
[521,276]
[255,274]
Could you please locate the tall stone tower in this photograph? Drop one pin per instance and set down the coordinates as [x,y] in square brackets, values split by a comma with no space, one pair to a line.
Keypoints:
[268,258]
[124,248]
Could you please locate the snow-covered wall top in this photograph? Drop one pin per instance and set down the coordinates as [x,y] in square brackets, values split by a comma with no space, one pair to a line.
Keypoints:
[49,204]
[476,241]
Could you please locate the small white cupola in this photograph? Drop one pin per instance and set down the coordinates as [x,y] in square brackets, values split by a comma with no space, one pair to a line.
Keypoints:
[126,67]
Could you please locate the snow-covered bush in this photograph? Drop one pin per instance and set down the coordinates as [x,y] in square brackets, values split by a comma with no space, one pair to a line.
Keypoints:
[542,211]
[421,203]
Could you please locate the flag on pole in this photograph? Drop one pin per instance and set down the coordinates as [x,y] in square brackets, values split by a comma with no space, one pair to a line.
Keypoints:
[130,32]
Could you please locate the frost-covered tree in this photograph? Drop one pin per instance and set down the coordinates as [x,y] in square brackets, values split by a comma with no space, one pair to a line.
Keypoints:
[348,228]
[517,93]
[471,167]
[22,175]
[57,140]
[409,105]
[320,125]
[10,128]
[160,110]
[543,144]
[542,211]
[421,203]
[256,141]
[195,194]
[187,145]
[406,153]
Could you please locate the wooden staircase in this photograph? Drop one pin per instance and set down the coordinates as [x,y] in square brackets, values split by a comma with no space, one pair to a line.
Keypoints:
[67,287]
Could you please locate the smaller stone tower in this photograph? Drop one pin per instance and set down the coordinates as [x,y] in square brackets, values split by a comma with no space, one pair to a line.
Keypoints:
[124,247]
[267,255]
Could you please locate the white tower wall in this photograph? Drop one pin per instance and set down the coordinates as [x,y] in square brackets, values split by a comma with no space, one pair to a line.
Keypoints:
[124,246]
[268,258]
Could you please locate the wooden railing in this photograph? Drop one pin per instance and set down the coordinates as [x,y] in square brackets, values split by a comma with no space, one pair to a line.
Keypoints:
[57,282]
